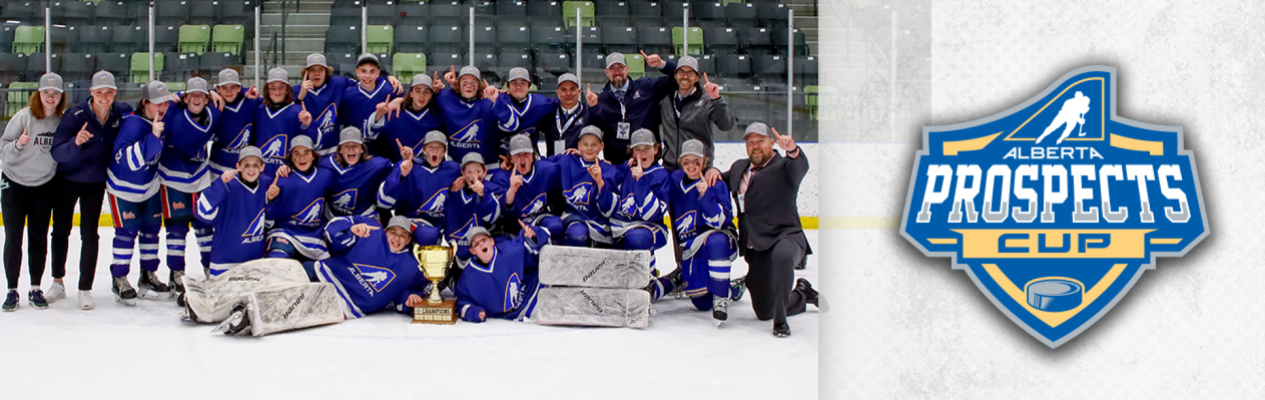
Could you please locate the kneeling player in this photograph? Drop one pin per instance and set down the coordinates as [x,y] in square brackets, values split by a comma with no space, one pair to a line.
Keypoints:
[496,284]
[533,191]
[420,192]
[372,269]
[297,210]
[643,190]
[235,206]
[704,222]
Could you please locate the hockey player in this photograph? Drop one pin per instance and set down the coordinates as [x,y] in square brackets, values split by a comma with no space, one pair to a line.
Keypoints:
[420,116]
[561,128]
[533,191]
[709,239]
[471,113]
[322,92]
[278,121]
[637,223]
[132,185]
[232,132]
[473,203]
[497,283]
[588,186]
[357,176]
[183,171]
[372,269]
[235,205]
[420,192]
[360,101]
[298,207]
[529,109]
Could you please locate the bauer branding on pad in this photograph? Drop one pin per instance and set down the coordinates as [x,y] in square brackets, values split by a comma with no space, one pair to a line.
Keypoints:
[1055,206]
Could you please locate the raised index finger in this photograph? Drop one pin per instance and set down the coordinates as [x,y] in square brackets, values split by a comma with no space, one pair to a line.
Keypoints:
[85,127]
[643,54]
[705,78]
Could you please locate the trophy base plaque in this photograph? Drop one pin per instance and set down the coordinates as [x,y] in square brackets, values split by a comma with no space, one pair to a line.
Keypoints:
[436,314]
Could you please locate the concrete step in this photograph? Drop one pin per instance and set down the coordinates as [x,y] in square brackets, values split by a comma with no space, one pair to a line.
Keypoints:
[305,6]
[296,19]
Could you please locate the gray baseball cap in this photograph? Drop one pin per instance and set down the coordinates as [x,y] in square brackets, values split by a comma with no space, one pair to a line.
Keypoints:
[229,76]
[591,130]
[519,73]
[195,85]
[422,79]
[615,58]
[350,134]
[470,70]
[435,136]
[476,231]
[688,61]
[402,222]
[693,147]
[51,81]
[103,80]
[520,144]
[757,128]
[368,57]
[569,77]
[278,75]
[250,151]
[643,137]
[301,141]
[471,158]
[316,59]
[156,92]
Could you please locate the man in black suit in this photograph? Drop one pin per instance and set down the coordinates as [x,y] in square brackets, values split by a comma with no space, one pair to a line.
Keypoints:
[765,188]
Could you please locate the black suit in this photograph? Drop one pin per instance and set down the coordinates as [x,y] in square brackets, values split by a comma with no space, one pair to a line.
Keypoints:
[770,236]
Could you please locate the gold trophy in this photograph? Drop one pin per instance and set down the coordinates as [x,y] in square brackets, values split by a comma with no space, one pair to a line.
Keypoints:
[433,261]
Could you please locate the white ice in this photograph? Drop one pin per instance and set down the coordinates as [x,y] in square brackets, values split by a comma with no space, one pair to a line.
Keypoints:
[145,351]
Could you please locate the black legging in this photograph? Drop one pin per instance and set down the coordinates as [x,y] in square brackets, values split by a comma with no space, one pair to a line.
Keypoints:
[25,206]
[771,280]
[90,196]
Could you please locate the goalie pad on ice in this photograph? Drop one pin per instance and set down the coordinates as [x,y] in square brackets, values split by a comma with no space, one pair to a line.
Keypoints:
[593,307]
[213,300]
[594,268]
[281,309]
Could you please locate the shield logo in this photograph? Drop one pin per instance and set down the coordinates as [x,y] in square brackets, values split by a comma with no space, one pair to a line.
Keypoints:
[1056,206]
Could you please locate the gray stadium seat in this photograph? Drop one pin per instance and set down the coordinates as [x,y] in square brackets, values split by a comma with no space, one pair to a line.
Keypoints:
[553,63]
[180,66]
[171,12]
[114,13]
[510,58]
[741,15]
[448,11]
[443,62]
[411,39]
[128,39]
[448,38]
[517,39]
[544,8]
[514,8]
[548,37]
[19,10]
[721,40]
[383,14]
[119,64]
[94,39]
[343,39]
[733,66]
[413,13]
[621,40]
[74,13]
[655,40]
[64,38]
[344,64]
[165,38]
[35,66]
[77,66]
[755,41]
[204,12]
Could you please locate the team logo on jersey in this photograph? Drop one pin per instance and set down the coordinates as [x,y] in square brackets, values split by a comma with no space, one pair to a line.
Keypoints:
[460,235]
[535,206]
[628,206]
[1055,207]
[469,134]
[239,141]
[686,223]
[436,202]
[310,214]
[346,200]
[513,292]
[376,278]
[579,194]
[256,227]
[276,147]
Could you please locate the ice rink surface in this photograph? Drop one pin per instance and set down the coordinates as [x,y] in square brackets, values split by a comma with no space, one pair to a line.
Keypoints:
[146,352]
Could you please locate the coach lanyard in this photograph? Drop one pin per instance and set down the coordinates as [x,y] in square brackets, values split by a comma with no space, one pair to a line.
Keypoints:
[570,120]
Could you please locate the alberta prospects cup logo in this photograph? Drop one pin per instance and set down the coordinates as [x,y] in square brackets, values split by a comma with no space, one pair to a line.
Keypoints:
[1056,206]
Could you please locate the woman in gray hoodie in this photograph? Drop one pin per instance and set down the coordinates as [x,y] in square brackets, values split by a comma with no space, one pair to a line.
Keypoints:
[26,197]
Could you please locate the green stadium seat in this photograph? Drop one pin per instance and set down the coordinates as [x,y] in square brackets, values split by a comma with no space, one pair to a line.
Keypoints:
[636,65]
[140,66]
[174,87]
[810,99]
[379,38]
[194,38]
[695,36]
[19,95]
[408,64]
[586,12]
[228,39]
[28,39]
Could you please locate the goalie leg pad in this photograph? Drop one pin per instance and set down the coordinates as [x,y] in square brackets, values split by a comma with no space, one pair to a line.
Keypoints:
[213,300]
[297,306]
[594,268]
[593,307]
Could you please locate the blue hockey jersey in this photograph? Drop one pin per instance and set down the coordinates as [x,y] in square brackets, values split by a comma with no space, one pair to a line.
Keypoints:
[466,209]
[423,194]
[502,286]
[410,128]
[355,187]
[584,200]
[540,194]
[368,276]
[322,103]
[527,116]
[472,125]
[696,217]
[238,212]
[298,211]
[358,104]
[133,175]
[642,202]
[232,132]
[273,132]
[183,165]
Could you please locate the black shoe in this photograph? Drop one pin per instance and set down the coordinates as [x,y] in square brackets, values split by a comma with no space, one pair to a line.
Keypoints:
[782,330]
[237,323]
[176,282]
[720,309]
[180,300]
[150,288]
[737,288]
[123,292]
[810,295]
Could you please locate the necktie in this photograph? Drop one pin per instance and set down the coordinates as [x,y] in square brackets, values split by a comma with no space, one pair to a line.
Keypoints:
[619,94]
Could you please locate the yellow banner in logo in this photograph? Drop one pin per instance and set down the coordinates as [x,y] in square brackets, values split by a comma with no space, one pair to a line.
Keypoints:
[1054,243]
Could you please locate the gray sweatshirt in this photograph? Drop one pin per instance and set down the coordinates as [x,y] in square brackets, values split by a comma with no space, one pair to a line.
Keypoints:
[30,165]
[697,114]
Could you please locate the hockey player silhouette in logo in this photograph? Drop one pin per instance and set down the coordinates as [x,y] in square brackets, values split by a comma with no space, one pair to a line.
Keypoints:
[374,278]
[344,200]
[580,194]
[1072,115]
[274,149]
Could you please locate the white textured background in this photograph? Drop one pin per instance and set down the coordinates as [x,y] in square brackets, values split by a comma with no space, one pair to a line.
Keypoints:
[907,326]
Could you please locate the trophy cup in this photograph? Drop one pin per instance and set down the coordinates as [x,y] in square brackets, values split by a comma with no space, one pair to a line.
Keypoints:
[433,261]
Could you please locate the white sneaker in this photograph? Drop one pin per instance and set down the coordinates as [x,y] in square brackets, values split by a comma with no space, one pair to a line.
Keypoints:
[55,292]
[85,300]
